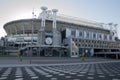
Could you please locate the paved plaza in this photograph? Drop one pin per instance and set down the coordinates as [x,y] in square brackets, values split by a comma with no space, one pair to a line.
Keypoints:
[84,70]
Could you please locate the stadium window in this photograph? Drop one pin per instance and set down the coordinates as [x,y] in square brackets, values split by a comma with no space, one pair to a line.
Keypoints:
[94,36]
[82,41]
[76,44]
[73,39]
[76,39]
[100,36]
[73,33]
[82,44]
[87,36]
[110,37]
[85,45]
[105,37]
[79,40]
[92,41]
[34,40]
[80,34]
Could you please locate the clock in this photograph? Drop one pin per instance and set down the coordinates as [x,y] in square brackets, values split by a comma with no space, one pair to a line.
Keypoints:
[48,41]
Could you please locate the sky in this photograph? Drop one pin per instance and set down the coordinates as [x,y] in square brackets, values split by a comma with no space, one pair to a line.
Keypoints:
[103,11]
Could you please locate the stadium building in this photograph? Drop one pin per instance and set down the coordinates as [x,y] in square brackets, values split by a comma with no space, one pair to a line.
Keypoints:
[59,35]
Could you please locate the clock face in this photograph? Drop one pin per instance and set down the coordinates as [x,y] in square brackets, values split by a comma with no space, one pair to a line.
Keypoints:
[48,40]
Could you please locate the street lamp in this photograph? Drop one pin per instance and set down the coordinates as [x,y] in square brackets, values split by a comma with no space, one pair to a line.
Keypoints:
[32,32]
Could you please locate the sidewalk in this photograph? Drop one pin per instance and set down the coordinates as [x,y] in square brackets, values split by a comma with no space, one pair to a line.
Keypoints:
[49,60]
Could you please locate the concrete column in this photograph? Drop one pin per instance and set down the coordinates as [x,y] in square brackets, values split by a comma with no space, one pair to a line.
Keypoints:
[10,31]
[16,30]
[43,17]
[54,18]
[55,34]
[32,32]
[39,50]
[23,29]
[116,56]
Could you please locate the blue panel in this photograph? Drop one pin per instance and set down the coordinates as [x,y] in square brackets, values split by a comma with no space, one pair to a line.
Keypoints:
[92,52]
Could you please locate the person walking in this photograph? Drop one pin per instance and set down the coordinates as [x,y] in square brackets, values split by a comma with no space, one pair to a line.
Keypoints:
[20,54]
[83,55]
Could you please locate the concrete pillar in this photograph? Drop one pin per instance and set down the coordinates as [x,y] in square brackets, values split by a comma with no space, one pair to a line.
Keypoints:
[32,32]
[16,30]
[39,50]
[10,31]
[116,56]
[23,29]
[43,17]
[55,33]
[54,18]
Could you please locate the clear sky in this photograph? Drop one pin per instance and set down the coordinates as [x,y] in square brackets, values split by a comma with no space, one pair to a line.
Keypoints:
[103,11]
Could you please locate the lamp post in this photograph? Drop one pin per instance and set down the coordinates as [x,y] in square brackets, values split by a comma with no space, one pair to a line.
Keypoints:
[32,32]
[111,27]
[115,25]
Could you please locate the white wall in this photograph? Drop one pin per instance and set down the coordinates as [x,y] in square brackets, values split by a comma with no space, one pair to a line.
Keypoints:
[68,34]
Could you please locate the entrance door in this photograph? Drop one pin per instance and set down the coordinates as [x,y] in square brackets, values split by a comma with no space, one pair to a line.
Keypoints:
[48,52]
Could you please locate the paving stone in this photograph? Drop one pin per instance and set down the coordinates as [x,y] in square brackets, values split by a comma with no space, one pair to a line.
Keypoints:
[111,75]
[90,77]
[34,77]
[2,78]
[61,74]
[100,73]
[83,72]
[18,76]
[19,79]
[91,74]
[76,79]
[72,73]
[4,75]
[80,75]
[49,75]
[115,79]
[118,74]
[102,76]
[67,76]
[53,78]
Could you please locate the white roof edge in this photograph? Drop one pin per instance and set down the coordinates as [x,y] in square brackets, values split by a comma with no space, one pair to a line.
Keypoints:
[78,21]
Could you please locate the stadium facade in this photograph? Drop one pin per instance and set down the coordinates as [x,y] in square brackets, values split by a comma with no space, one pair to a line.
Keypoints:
[59,35]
